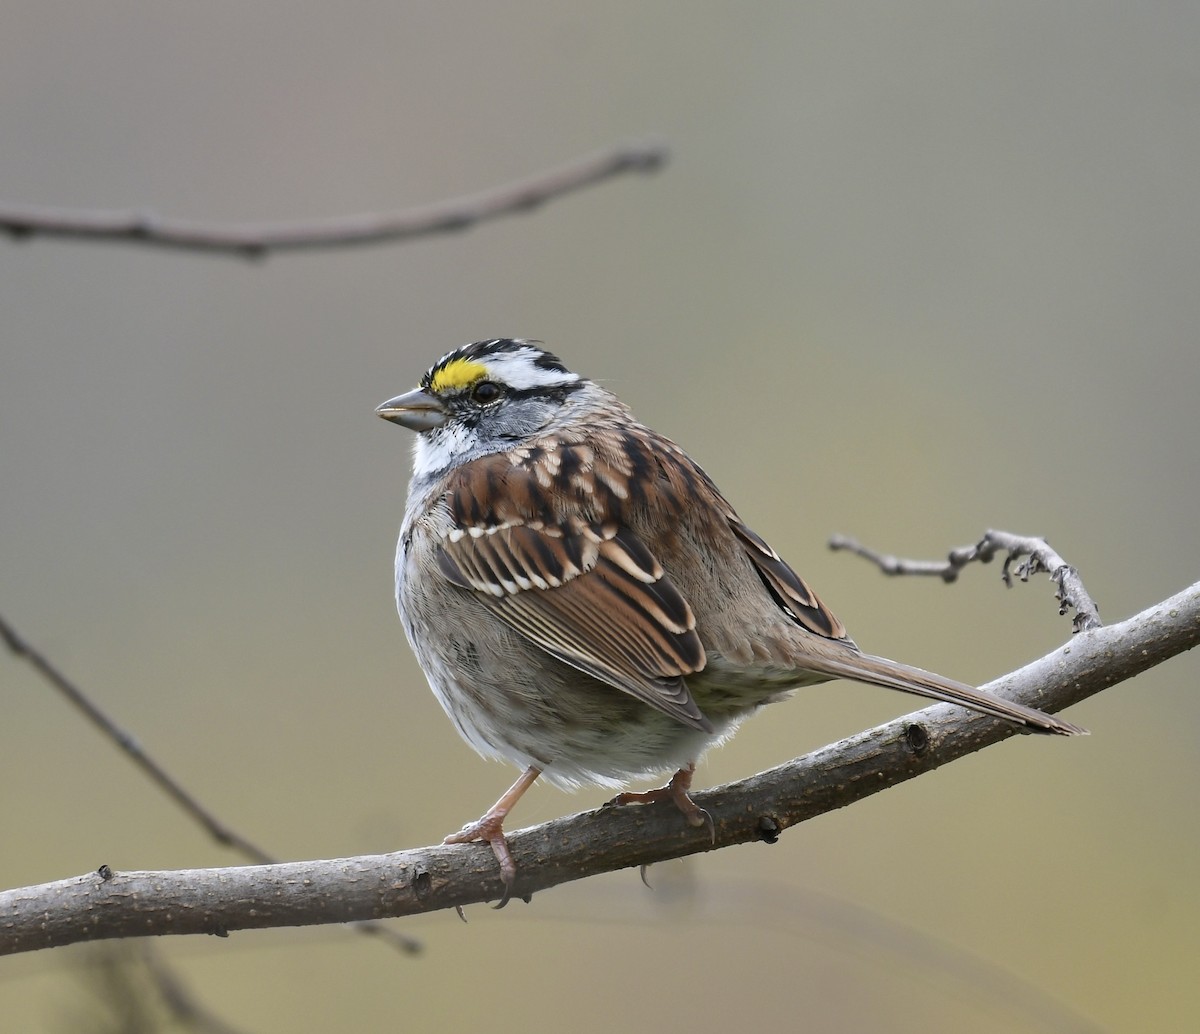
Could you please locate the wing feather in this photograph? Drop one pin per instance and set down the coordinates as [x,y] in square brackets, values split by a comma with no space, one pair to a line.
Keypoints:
[789,590]
[591,594]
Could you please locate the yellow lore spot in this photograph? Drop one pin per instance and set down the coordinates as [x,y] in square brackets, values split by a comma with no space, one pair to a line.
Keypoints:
[459,373]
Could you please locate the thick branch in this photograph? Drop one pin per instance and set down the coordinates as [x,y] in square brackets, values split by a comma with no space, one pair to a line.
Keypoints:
[217,901]
[256,240]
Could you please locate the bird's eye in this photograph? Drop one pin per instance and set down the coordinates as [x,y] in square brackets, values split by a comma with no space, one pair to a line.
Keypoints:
[486,391]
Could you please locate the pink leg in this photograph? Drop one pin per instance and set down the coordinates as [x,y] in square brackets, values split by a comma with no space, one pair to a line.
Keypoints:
[489,829]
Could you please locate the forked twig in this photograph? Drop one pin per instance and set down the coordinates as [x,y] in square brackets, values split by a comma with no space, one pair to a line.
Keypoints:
[1038,556]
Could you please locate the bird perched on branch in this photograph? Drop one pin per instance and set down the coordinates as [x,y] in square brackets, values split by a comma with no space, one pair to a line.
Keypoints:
[584,601]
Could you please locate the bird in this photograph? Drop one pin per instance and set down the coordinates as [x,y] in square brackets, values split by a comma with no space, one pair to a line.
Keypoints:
[584,601]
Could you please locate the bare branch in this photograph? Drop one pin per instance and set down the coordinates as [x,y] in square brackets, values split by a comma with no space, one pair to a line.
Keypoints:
[217,829]
[257,240]
[1040,558]
[128,743]
[217,901]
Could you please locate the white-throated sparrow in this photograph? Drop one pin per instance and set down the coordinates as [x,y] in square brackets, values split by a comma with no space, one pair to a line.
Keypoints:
[584,601]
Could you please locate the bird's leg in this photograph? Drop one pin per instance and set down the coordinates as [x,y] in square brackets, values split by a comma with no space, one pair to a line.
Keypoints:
[676,791]
[489,829]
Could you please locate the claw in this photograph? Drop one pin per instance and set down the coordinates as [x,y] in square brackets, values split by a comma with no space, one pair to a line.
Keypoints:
[675,791]
[489,830]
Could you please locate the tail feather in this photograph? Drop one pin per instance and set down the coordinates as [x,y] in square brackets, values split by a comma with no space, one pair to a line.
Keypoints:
[879,671]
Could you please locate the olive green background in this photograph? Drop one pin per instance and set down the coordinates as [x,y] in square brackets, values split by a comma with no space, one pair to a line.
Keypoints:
[915,270]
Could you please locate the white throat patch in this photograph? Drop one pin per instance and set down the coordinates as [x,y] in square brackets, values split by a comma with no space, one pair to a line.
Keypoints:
[435,452]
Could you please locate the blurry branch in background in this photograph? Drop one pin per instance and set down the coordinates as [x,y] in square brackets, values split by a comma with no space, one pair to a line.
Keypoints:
[133,990]
[1040,558]
[254,241]
[221,833]
[108,904]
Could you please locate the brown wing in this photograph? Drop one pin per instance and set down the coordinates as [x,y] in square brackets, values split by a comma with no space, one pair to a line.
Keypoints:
[789,590]
[588,593]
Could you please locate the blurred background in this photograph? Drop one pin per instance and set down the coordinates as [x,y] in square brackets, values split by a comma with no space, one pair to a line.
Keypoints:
[915,270]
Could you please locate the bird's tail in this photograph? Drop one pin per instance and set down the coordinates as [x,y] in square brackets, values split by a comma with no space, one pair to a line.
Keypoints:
[879,671]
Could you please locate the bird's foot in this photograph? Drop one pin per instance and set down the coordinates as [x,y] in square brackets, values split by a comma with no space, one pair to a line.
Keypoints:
[676,791]
[489,829]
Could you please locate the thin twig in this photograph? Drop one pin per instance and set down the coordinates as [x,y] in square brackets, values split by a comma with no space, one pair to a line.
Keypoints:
[218,830]
[254,241]
[1039,558]
[217,901]
[223,835]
